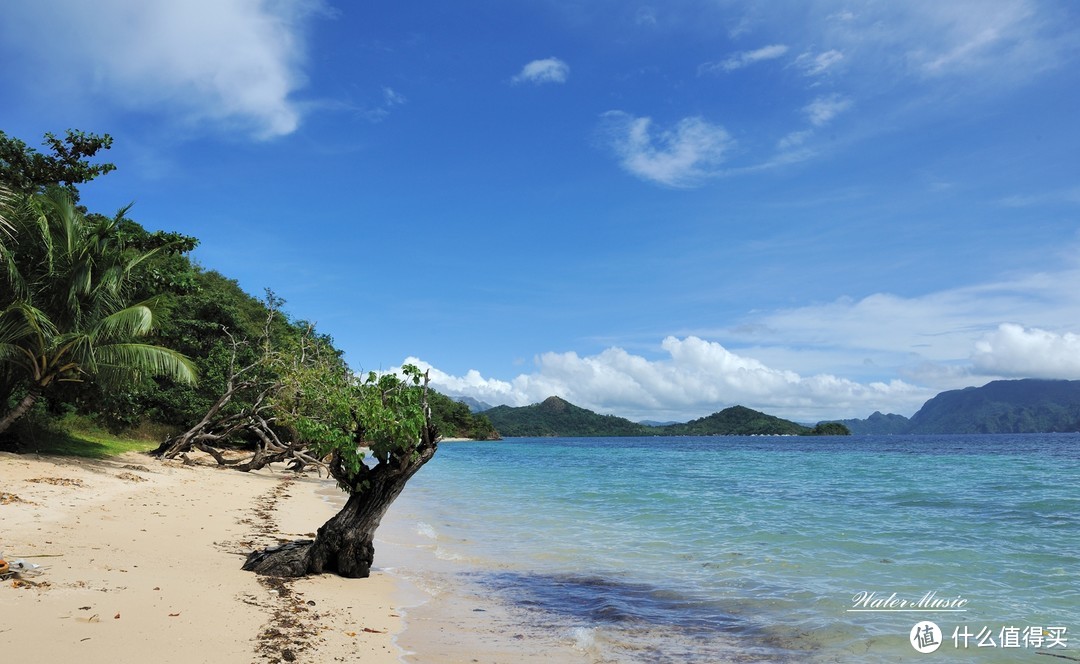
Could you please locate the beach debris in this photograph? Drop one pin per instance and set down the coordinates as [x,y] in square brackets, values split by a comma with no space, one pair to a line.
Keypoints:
[17,569]
[173,615]
[131,477]
[133,466]
[9,498]
[374,631]
[117,616]
[58,481]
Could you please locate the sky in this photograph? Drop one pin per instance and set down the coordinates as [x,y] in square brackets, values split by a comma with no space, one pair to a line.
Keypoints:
[654,210]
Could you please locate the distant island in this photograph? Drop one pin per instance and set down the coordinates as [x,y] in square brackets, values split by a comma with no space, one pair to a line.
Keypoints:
[1003,406]
[556,417]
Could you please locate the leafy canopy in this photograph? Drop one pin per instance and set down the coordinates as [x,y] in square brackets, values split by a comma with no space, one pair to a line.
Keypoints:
[25,170]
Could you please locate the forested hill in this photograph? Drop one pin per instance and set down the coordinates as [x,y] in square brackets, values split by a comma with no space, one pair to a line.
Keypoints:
[557,417]
[737,421]
[1002,406]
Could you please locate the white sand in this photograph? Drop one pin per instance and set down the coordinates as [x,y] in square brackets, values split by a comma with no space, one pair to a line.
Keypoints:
[141,562]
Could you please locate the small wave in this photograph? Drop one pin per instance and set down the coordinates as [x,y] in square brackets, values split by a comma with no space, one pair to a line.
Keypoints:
[443,554]
[584,638]
[426,530]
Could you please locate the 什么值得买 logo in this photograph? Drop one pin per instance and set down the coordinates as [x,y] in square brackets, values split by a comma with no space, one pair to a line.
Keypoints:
[925,636]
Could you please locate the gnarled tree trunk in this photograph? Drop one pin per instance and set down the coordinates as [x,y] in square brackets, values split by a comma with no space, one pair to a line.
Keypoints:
[20,409]
[344,544]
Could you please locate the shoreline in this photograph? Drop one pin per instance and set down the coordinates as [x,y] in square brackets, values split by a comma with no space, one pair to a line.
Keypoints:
[143,557]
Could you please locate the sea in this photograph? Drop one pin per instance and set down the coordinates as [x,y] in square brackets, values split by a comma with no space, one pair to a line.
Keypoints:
[742,549]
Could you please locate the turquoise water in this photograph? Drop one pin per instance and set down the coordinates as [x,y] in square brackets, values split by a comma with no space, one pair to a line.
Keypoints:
[754,549]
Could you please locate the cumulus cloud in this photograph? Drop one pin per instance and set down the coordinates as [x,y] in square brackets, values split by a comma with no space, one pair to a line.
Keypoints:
[822,110]
[744,59]
[697,377]
[678,157]
[1017,352]
[235,63]
[548,70]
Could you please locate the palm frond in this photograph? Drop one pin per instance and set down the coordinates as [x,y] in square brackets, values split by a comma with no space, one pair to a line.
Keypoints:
[133,321]
[20,320]
[124,360]
[7,200]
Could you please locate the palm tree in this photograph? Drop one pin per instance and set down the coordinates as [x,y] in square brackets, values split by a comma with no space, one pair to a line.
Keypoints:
[64,317]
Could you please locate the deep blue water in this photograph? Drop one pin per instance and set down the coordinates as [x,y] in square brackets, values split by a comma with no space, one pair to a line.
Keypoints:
[754,549]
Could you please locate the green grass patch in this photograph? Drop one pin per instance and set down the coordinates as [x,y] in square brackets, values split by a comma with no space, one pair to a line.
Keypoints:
[80,437]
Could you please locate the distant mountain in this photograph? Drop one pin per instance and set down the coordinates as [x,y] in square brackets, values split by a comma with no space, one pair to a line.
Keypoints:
[1003,406]
[474,405]
[454,420]
[557,417]
[878,424]
[654,423]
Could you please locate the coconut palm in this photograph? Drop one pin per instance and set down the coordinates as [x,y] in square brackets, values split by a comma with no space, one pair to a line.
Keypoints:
[64,317]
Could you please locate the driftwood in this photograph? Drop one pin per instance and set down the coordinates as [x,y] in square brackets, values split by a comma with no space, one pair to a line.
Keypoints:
[219,430]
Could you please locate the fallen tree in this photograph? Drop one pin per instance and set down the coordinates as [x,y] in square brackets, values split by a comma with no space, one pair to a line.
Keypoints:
[264,399]
[392,439]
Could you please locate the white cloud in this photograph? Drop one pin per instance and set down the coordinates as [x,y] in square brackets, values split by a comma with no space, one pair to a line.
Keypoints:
[815,65]
[1016,352]
[845,358]
[234,63]
[696,378]
[745,59]
[679,157]
[823,109]
[548,70]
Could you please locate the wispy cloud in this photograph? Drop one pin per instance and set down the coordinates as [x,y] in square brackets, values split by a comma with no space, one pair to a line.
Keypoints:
[390,99]
[822,110]
[548,70]
[1070,195]
[817,64]
[744,59]
[794,139]
[678,157]
[230,63]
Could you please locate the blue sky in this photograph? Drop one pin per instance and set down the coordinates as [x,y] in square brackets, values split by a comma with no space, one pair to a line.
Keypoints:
[657,210]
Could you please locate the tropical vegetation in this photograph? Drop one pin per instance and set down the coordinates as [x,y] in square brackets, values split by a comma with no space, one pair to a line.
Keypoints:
[106,323]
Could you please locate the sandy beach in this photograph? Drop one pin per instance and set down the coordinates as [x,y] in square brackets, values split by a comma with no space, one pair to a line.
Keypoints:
[141,562]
